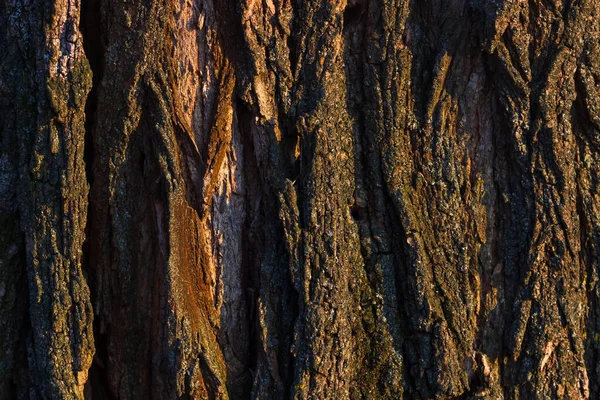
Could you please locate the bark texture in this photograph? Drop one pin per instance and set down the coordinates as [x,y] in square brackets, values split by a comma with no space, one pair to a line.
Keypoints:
[308,199]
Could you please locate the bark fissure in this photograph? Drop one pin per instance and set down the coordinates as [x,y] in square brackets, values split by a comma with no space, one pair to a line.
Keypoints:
[90,26]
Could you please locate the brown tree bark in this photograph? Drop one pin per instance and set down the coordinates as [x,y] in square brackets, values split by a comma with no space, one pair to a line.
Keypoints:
[309,199]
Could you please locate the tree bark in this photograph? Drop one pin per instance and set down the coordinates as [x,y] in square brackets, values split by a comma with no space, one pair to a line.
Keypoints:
[308,199]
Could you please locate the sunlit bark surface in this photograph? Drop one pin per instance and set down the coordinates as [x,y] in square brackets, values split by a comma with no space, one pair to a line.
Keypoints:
[308,199]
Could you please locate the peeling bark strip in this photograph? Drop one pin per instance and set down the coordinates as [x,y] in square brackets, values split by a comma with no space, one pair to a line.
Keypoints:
[309,199]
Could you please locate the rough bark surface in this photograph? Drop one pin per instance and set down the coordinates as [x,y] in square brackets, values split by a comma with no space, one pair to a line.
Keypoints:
[308,199]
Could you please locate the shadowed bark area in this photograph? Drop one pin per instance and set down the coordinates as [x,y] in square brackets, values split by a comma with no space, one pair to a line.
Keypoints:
[308,199]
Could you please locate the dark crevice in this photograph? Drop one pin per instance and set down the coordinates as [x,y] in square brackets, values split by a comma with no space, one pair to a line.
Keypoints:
[90,28]
[19,385]
[209,378]
[250,275]
[256,231]
[292,44]
[142,162]
[582,125]
[357,212]
[353,14]
[490,282]
[403,259]
[581,114]
[97,386]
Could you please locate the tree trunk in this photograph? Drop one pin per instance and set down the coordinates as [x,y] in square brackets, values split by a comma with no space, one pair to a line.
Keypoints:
[309,199]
